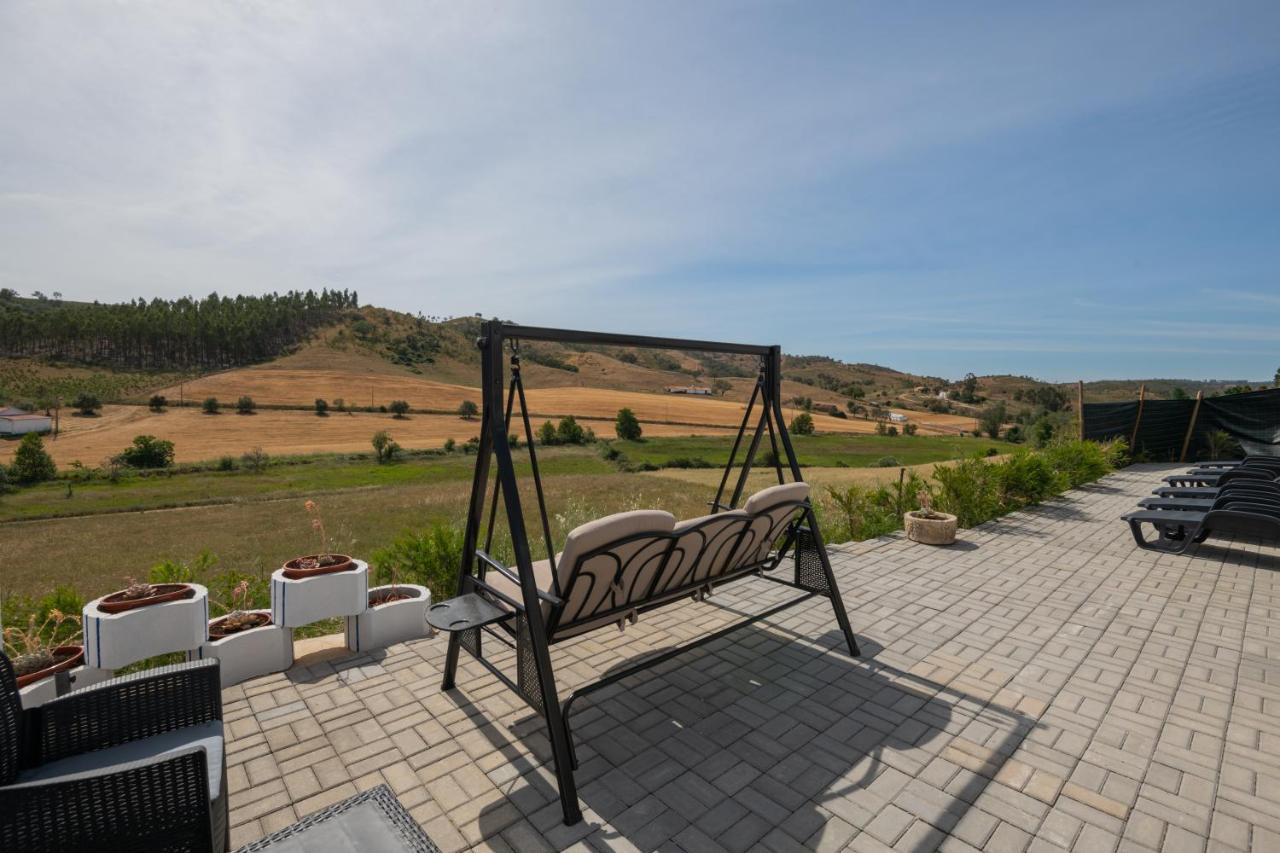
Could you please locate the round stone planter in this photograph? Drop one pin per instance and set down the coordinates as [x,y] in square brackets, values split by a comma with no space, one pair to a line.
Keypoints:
[940,530]
[382,625]
[299,602]
[248,654]
[114,640]
[35,695]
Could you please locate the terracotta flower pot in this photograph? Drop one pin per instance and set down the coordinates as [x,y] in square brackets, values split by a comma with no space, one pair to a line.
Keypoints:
[938,530]
[161,592]
[294,569]
[65,657]
[218,627]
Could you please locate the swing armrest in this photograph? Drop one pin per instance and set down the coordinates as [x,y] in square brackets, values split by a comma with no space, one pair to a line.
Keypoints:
[490,562]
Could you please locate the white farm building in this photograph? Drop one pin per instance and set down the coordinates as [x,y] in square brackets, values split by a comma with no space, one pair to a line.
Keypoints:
[16,422]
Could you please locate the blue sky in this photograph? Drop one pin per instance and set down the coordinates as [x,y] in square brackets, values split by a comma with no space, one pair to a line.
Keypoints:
[1063,190]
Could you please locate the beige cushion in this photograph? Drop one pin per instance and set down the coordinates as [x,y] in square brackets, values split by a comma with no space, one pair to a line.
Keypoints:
[773,508]
[703,549]
[632,564]
[508,587]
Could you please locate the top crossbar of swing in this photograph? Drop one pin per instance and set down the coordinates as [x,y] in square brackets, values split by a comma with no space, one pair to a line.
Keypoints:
[576,336]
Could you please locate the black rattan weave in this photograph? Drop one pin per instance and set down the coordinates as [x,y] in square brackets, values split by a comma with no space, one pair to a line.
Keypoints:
[156,804]
[809,573]
[415,840]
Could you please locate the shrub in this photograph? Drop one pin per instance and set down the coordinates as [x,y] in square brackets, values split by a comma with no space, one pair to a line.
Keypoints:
[569,431]
[430,557]
[399,408]
[339,404]
[4,479]
[887,462]
[1220,445]
[891,431]
[227,463]
[209,406]
[687,462]
[147,451]
[513,441]
[1015,435]
[468,410]
[384,448]
[881,429]
[909,429]
[609,453]
[449,445]
[87,404]
[245,405]
[992,420]
[627,425]
[31,462]
[802,424]
[322,407]
[547,434]
[255,460]
[471,445]
[158,402]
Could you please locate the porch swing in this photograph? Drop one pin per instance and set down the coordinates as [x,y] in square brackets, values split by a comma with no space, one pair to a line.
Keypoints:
[613,569]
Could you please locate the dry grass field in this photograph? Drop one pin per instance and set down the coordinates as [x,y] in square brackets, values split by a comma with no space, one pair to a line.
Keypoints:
[94,553]
[819,478]
[198,437]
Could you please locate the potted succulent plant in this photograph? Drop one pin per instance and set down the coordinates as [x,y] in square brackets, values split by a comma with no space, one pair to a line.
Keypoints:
[42,651]
[245,641]
[928,526]
[322,563]
[141,594]
[397,612]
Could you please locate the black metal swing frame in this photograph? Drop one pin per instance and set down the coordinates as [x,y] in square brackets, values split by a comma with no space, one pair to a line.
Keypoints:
[480,608]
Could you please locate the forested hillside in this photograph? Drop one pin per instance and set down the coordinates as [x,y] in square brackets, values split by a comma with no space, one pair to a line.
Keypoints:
[210,333]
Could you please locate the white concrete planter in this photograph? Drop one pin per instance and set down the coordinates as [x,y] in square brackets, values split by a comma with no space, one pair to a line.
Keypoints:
[940,530]
[35,695]
[295,603]
[248,654]
[395,622]
[114,640]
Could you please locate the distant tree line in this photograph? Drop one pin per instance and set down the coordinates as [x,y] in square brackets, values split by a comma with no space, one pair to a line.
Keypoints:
[216,331]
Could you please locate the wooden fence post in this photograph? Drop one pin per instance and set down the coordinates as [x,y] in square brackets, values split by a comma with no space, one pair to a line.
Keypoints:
[1195,413]
[1142,398]
[1080,405]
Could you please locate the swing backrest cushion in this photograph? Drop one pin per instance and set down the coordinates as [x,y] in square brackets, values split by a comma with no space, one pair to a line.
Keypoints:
[771,509]
[627,547]
[703,548]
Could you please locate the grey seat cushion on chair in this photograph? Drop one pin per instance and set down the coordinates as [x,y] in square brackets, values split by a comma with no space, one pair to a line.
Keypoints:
[207,736]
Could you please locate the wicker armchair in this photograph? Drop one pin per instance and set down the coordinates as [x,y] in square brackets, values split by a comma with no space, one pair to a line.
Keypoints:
[134,763]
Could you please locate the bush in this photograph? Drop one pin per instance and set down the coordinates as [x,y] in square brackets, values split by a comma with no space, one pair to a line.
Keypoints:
[158,402]
[430,557]
[87,404]
[384,448]
[471,445]
[227,463]
[255,460]
[399,408]
[547,434]
[802,424]
[891,431]
[147,451]
[910,429]
[887,462]
[468,410]
[687,462]
[4,479]
[569,431]
[245,405]
[992,420]
[209,406]
[627,425]
[322,407]
[31,462]
[449,445]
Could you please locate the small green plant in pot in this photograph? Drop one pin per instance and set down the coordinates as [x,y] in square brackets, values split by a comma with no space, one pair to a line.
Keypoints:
[928,526]
[239,617]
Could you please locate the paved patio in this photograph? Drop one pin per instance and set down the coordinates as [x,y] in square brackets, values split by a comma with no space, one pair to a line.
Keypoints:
[1042,685]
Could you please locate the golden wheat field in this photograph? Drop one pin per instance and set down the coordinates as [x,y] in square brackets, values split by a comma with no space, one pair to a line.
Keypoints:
[374,385]
[197,436]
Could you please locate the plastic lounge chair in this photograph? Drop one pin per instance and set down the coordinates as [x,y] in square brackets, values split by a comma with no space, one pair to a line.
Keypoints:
[1179,530]
[1201,499]
[1222,477]
[134,763]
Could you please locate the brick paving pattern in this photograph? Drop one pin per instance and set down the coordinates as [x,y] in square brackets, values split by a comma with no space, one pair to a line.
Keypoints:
[1043,685]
